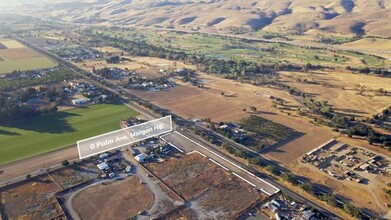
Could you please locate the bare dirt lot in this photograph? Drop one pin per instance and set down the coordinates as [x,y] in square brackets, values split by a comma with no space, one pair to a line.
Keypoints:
[33,199]
[342,90]
[118,200]
[211,192]
[188,175]
[208,102]
[19,53]
[75,174]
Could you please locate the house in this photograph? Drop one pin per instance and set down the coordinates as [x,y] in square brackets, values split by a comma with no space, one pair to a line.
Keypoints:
[103,156]
[307,215]
[223,126]
[140,158]
[365,167]
[80,102]
[103,166]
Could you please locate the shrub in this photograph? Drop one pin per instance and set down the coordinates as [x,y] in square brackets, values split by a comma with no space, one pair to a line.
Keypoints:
[65,163]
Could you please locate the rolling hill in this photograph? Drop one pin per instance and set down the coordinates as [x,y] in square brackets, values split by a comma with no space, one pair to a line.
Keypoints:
[353,17]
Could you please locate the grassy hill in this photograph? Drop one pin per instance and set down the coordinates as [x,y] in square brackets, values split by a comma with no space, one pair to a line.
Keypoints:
[355,17]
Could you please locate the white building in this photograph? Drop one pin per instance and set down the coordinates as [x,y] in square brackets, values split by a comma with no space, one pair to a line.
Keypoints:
[103,166]
[80,102]
[140,157]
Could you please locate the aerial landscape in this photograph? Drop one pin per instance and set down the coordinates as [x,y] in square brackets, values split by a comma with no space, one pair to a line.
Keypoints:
[184,109]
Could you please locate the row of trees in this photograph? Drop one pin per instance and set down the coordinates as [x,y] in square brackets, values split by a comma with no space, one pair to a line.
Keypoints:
[30,79]
[11,110]
[371,135]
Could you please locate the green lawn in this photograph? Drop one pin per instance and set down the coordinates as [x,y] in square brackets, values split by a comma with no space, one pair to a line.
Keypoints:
[33,136]
[9,66]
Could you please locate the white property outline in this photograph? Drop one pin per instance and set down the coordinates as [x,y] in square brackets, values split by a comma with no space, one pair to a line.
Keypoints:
[123,129]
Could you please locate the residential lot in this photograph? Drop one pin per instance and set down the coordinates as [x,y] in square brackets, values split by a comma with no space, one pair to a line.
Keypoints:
[211,191]
[32,199]
[46,133]
[116,200]
[16,56]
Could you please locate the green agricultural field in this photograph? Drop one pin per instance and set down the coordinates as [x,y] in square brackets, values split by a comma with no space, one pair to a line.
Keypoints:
[33,136]
[26,64]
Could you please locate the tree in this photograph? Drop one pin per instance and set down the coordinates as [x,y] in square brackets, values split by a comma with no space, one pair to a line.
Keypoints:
[222,93]
[28,176]
[244,110]
[253,108]
[289,177]
[272,169]
[253,160]
[307,186]
[330,199]
[370,139]
[352,210]
[65,163]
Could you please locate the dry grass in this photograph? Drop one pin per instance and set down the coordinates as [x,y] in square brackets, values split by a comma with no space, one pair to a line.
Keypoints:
[208,102]
[19,53]
[117,200]
[144,66]
[340,89]
[372,196]
[192,102]
[109,49]
[296,16]
[187,175]
[182,212]
[31,200]
[11,44]
[75,174]
[371,43]
[212,192]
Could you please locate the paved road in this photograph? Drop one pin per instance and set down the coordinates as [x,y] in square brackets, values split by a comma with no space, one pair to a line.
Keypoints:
[18,169]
